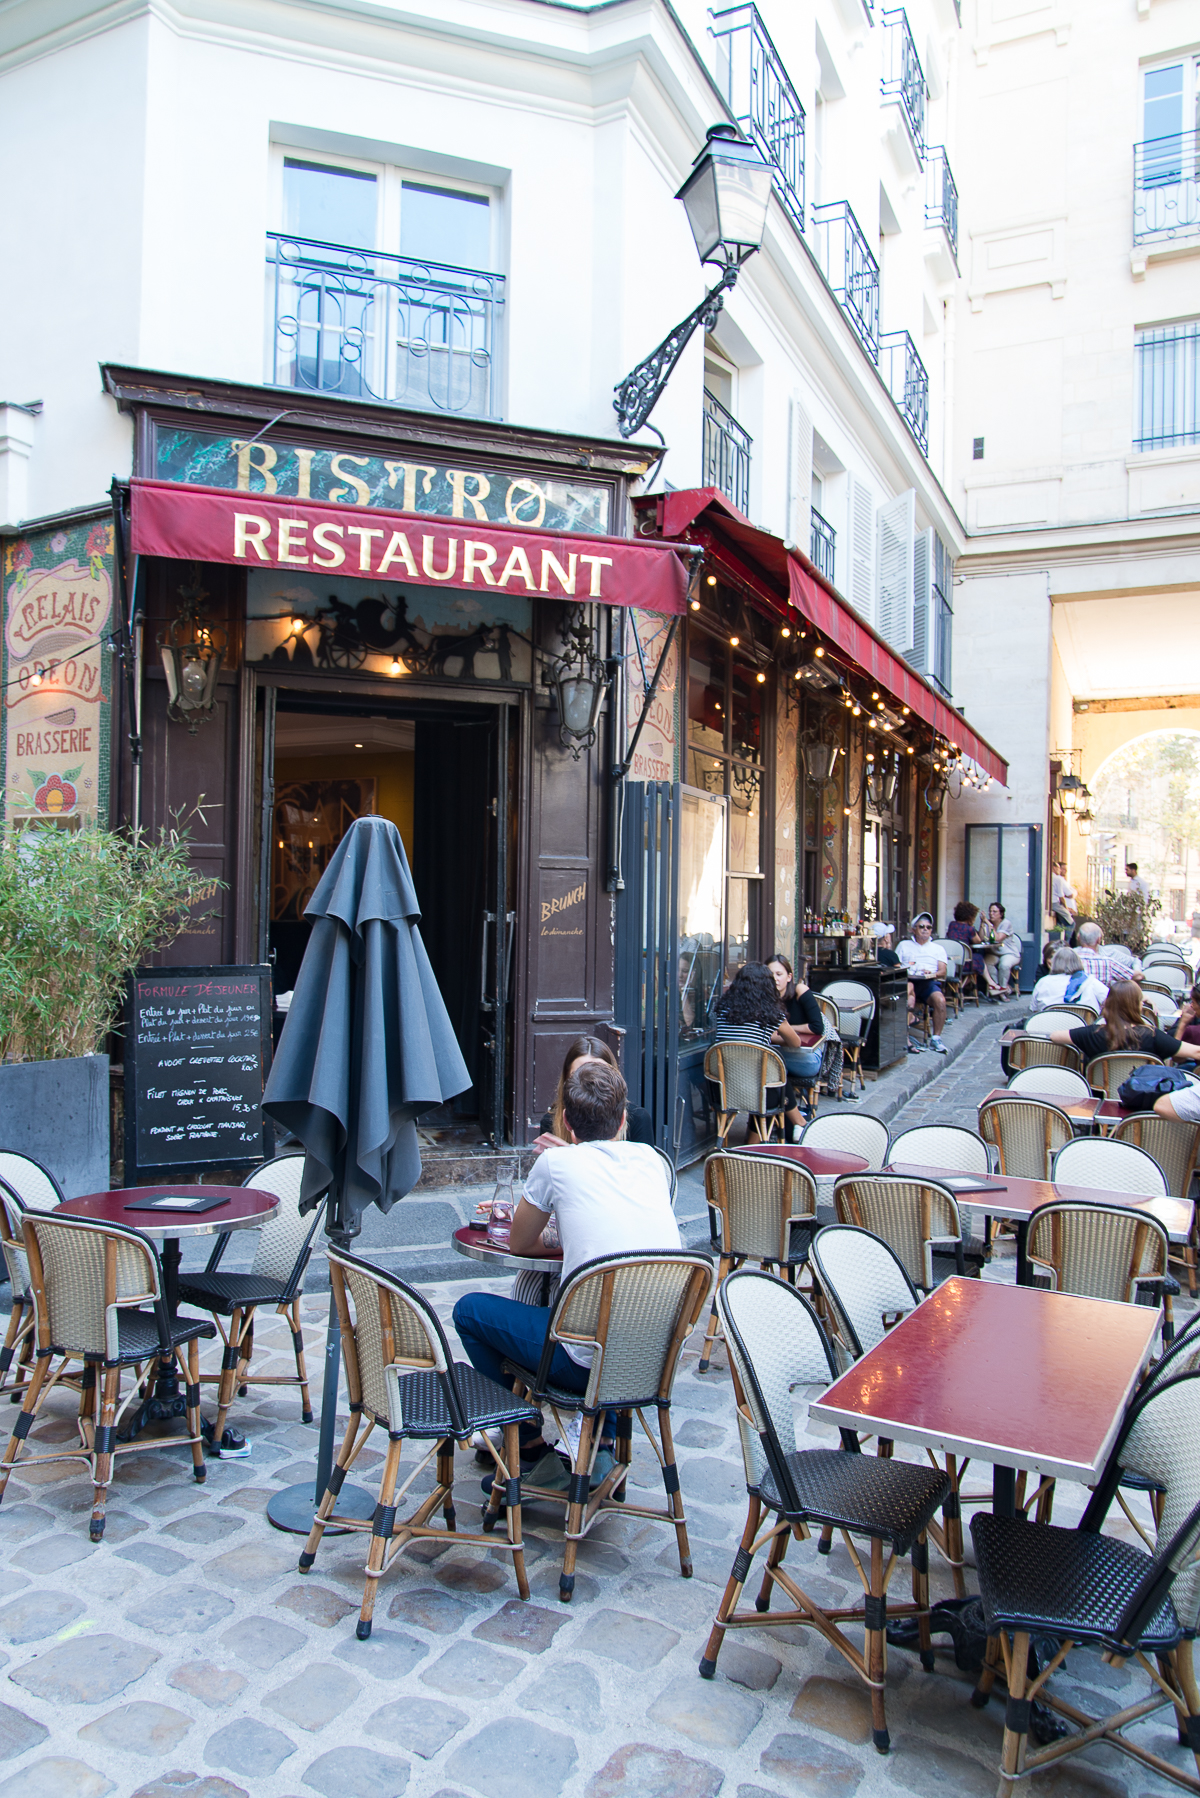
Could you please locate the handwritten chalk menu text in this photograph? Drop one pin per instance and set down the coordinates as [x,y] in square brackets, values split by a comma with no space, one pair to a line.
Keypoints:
[196,1059]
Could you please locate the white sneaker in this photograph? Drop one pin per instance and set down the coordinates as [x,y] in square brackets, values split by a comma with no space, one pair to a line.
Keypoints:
[938,1046]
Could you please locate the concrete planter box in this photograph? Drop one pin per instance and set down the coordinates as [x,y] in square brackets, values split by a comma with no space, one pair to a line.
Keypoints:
[57,1112]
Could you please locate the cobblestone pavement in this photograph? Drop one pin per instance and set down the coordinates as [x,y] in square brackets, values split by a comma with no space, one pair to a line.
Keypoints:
[184,1657]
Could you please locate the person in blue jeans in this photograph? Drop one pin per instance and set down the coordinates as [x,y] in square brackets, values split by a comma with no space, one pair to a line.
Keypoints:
[608,1198]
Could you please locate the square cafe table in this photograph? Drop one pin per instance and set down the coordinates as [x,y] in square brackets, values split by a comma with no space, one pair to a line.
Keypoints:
[1011,1375]
[1080,1111]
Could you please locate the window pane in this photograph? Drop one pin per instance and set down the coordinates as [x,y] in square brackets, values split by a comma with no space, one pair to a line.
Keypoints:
[331,205]
[747,714]
[1017,878]
[1163,116]
[438,225]
[705,771]
[741,936]
[701,909]
[983,855]
[745,823]
[706,693]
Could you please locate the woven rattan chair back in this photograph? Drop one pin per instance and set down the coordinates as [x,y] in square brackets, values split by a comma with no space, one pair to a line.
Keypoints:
[909,1214]
[1160,999]
[1174,1145]
[776,1343]
[848,995]
[1110,1167]
[1036,1052]
[1168,952]
[384,1324]
[638,1311]
[12,1240]
[743,1073]
[830,1013]
[1097,1251]
[849,1134]
[1107,1072]
[1045,1023]
[1057,1083]
[33,1184]
[1160,1444]
[81,1274]
[755,1197]
[669,1171]
[954,954]
[1026,1135]
[288,1235]
[864,1285]
[1076,1012]
[946,1146]
[1176,976]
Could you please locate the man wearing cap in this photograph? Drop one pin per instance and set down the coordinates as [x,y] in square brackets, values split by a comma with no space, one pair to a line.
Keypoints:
[925,969]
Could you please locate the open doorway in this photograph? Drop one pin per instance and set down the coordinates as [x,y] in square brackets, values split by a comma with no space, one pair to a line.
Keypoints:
[440,774]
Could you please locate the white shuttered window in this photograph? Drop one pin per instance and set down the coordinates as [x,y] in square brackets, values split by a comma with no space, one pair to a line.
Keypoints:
[897,530]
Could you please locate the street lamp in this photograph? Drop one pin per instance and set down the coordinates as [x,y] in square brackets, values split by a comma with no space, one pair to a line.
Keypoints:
[1071,795]
[192,647]
[725,198]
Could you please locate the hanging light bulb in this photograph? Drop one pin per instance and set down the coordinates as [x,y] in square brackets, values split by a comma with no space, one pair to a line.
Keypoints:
[857,711]
[734,641]
[819,650]
[695,605]
[396,668]
[712,580]
[760,678]
[785,633]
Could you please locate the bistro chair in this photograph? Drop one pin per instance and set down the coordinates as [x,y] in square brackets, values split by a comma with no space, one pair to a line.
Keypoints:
[1080,1587]
[776,1342]
[25,1185]
[945,1146]
[849,1133]
[1165,952]
[1056,1018]
[1101,1251]
[33,1184]
[1159,1007]
[749,1079]
[766,1211]
[1110,1166]
[89,1283]
[1056,1083]
[1035,1052]
[1175,1146]
[915,1217]
[635,1311]
[1025,1134]
[1176,976]
[856,1012]
[1107,1072]
[275,1278]
[953,954]
[1069,1014]
[833,1054]
[400,1375]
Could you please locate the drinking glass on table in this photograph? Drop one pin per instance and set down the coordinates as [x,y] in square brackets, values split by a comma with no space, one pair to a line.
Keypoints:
[500,1220]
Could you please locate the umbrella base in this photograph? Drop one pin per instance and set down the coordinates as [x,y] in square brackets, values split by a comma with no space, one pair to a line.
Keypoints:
[292,1509]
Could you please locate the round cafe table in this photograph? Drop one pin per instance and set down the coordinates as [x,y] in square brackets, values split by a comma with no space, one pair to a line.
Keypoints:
[474,1244]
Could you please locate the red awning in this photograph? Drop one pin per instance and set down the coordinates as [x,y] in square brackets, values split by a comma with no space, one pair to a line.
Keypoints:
[785,580]
[252,530]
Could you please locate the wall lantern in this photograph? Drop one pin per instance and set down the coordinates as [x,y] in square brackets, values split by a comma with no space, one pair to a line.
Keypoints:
[579,679]
[1070,794]
[1083,823]
[820,760]
[726,198]
[881,788]
[192,647]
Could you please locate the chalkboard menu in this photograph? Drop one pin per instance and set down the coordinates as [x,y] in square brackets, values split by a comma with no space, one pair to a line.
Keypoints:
[197,1051]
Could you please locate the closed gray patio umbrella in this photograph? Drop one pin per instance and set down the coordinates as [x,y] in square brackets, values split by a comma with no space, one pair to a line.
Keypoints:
[366,1049]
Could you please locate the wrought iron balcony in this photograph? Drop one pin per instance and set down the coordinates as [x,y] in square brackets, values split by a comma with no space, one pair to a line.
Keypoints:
[941,196]
[850,269]
[1166,188]
[369,325]
[762,100]
[903,77]
[727,448]
[907,382]
[822,545]
[1168,386]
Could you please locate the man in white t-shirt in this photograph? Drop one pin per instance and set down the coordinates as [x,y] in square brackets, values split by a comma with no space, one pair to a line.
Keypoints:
[608,1198]
[926,966]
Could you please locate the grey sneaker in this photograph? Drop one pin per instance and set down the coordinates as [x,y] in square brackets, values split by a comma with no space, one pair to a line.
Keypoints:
[938,1046]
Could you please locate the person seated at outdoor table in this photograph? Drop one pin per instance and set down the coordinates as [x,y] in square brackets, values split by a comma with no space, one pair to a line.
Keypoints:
[1067,984]
[1003,951]
[638,1126]
[885,954]
[801,1011]
[1184,1106]
[964,930]
[751,1011]
[926,970]
[1121,1029]
[1106,962]
[607,1197]
[1187,1025]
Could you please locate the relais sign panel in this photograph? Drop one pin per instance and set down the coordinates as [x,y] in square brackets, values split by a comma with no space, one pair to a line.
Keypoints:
[57,675]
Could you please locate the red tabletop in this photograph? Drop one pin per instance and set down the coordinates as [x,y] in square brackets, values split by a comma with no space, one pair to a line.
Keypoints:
[1055,1373]
[1080,1109]
[1112,1111]
[243,1208]
[1021,1197]
[817,1161]
[475,1245]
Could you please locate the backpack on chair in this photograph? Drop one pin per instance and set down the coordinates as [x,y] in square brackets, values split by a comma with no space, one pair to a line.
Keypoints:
[1145,1085]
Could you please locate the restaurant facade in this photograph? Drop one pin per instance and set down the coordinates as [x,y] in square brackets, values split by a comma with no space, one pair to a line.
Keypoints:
[629,742]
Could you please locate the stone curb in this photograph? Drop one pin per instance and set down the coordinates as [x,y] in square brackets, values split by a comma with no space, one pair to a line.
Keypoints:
[916,1071]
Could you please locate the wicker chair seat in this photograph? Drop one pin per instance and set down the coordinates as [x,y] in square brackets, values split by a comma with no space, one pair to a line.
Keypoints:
[138,1337]
[887,1498]
[1062,1582]
[224,1293]
[549,1394]
[427,1413]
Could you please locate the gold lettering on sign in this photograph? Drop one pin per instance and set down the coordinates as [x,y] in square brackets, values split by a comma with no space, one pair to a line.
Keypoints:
[323,538]
[576,896]
[304,462]
[458,485]
[398,551]
[359,489]
[564,576]
[516,507]
[247,465]
[408,472]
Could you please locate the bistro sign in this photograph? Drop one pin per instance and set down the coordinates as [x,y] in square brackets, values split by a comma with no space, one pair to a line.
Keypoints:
[207,525]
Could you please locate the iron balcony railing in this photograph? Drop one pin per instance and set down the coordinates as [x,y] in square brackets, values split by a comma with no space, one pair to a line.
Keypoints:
[762,100]
[850,269]
[907,381]
[727,446]
[369,325]
[1168,386]
[1166,188]
[941,197]
[903,77]
[823,545]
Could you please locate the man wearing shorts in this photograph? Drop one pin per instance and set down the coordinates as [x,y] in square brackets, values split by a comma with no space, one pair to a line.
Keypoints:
[926,970]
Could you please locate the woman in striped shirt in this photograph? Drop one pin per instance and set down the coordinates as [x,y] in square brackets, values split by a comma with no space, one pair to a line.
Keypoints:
[751,1011]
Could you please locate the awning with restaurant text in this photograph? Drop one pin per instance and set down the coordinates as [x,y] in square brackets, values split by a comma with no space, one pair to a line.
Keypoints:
[250,530]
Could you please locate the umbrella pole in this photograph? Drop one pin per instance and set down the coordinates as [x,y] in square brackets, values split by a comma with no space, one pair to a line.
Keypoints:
[292,1508]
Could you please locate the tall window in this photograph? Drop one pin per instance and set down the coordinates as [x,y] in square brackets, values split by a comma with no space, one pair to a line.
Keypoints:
[1168,385]
[725,756]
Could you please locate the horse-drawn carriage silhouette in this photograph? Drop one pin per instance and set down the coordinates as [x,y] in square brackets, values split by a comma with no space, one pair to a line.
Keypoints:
[347,634]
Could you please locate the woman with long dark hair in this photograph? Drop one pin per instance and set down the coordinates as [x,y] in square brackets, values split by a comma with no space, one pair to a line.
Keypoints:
[1122,1027]
[752,1011]
[638,1126]
[965,931]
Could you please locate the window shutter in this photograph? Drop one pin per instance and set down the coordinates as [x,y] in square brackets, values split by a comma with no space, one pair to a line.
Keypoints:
[922,657]
[799,506]
[862,548]
[896,522]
